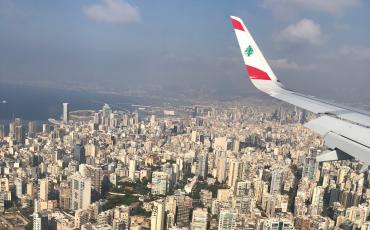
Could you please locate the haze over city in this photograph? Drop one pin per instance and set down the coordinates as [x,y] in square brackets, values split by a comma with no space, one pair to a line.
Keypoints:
[167,115]
[320,48]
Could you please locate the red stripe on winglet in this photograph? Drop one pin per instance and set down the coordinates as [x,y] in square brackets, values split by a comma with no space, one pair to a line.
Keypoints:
[237,25]
[257,74]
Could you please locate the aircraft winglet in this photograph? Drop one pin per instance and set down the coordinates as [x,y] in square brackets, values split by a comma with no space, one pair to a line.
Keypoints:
[256,65]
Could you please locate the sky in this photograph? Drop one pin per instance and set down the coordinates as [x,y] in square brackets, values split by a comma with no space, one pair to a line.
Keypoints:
[317,47]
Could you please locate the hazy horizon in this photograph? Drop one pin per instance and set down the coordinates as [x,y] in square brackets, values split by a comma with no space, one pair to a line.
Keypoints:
[322,49]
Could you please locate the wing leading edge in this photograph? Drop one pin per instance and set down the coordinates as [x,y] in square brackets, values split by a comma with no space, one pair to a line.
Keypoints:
[346,131]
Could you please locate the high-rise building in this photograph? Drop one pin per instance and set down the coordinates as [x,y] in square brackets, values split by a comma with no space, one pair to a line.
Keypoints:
[40,221]
[276,181]
[206,198]
[227,220]
[17,121]
[32,128]
[11,129]
[123,214]
[281,224]
[183,208]
[106,114]
[234,171]
[81,191]
[45,128]
[2,131]
[19,134]
[157,218]
[81,218]
[203,165]
[79,154]
[200,219]
[65,112]
[132,169]
[310,167]
[2,202]
[18,187]
[96,176]
[159,183]
[221,167]
[44,189]
[64,196]
[317,202]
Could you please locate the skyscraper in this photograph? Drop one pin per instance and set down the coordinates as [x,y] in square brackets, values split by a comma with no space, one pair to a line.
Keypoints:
[106,114]
[157,218]
[44,189]
[183,208]
[19,134]
[276,181]
[310,167]
[79,153]
[227,220]
[40,221]
[81,191]
[159,183]
[32,128]
[132,169]
[65,112]
[2,131]
[11,129]
[203,164]
[18,187]
[221,167]
[200,219]
[234,170]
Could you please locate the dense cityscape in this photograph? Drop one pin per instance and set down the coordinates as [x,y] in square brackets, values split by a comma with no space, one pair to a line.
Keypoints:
[231,166]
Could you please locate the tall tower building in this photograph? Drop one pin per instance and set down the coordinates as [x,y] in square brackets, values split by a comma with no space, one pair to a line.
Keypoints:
[2,131]
[317,201]
[132,169]
[65,112]
[81,218]
[81,191]
[11,129]
[159,183]
[32,128]
[44,189]
[18,187]
[276,181]
[40,221]
[310,167]
[2,202]
[183,207]
[106,114]
[227,220]
[17,121]
[64,196]
[221,167]
[234,170]
[157,218]
[200,219]
[19,134]
[203,165]
[79,153]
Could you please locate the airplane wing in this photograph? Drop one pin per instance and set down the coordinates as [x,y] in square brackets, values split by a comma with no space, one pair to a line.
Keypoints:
[346,130]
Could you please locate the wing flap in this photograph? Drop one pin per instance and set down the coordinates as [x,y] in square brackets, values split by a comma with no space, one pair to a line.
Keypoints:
[325,124]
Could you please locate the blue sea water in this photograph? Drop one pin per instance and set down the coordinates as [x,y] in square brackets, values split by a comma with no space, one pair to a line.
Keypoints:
[39,104]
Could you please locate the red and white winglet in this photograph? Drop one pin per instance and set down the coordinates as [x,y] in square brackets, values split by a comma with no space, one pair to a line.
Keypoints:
[257,67]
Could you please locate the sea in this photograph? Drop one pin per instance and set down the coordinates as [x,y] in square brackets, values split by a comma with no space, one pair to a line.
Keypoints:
[32,103]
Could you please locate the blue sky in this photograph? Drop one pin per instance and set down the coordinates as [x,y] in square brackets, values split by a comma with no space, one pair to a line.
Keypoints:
[318,47]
